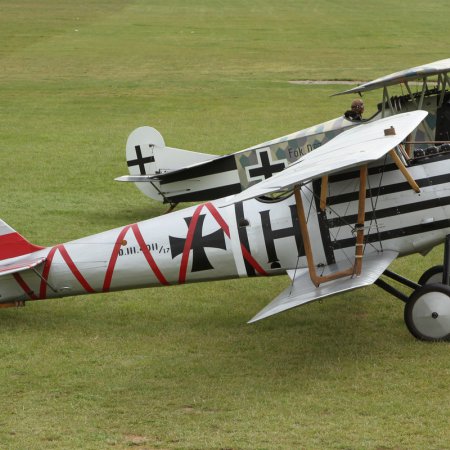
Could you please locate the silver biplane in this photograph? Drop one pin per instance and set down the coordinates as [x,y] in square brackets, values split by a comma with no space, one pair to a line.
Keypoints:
[172,175]
[334,220]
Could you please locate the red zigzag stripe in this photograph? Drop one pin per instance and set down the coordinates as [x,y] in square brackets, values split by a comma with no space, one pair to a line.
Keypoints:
[147,254]
[188,243]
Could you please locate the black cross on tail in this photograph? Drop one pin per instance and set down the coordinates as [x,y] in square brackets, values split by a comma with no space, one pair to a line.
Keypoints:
[199,243]
[140,160]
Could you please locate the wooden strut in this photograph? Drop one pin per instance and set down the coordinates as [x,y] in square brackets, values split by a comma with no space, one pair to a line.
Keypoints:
[171,208]
[323,193]
[359,248]
[408,145]
[398,162]
[404,152]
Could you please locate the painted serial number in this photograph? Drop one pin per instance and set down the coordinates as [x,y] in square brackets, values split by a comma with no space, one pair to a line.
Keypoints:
[134,250]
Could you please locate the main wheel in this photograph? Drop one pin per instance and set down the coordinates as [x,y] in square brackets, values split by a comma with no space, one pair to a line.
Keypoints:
[432,275]
[427,312]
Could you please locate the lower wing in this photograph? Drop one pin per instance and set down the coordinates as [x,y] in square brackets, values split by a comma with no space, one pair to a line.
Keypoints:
[302,290]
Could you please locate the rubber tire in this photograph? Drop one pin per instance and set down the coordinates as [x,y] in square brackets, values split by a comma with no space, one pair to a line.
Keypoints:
[418,307]
[432,275]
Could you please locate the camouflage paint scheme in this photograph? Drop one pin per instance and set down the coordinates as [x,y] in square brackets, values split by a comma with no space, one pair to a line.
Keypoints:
[289,148]
[292,147]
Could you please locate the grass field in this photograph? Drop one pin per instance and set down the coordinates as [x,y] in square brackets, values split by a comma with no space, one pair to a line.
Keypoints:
[178,367]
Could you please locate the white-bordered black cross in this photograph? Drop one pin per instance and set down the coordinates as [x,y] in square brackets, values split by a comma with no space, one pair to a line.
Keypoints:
[140,160]
[199,243]
[264,169]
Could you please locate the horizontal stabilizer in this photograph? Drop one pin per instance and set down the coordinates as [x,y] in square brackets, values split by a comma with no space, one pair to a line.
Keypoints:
[215,165]
[7,269]
[135,178]
[302,290]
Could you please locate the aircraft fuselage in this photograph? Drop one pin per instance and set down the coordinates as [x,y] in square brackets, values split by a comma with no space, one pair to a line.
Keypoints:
[253,238]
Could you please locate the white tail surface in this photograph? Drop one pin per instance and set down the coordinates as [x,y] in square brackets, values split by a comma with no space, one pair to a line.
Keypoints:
[147,154]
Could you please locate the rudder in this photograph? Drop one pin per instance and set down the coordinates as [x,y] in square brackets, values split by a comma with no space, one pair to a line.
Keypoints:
[12,244]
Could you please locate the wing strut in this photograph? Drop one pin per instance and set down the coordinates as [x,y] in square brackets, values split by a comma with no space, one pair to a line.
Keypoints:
[355,269]
[359,246]
[398,162]
[323,193]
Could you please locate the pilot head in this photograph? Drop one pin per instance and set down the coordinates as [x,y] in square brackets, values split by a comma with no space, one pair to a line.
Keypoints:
[358,106]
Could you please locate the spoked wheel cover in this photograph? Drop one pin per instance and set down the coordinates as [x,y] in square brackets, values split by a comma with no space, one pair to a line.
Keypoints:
[427,313]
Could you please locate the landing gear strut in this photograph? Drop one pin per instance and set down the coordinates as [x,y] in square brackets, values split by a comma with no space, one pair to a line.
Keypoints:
[427,309]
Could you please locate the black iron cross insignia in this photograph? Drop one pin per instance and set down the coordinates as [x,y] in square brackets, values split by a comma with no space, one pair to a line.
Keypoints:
[140,160]
[199,243]
[264,169]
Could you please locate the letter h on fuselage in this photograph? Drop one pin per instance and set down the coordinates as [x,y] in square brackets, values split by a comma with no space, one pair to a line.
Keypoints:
[270,235]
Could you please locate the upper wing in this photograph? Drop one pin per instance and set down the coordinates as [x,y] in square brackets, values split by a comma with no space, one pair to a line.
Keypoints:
[357,146]
[414,73]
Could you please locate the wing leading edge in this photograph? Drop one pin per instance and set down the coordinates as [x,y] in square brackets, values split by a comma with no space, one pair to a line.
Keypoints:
[415,73]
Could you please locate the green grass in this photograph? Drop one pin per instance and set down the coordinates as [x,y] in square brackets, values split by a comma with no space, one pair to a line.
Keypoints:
[178,367]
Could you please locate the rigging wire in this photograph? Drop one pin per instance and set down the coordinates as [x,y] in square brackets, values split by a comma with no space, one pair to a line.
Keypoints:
[342,220]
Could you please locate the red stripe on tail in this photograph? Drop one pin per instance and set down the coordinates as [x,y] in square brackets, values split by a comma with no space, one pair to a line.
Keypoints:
[23,284]
[77,274]
[13,244]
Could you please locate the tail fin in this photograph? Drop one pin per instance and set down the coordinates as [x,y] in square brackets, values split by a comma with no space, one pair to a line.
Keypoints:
[12,244]
[147,154]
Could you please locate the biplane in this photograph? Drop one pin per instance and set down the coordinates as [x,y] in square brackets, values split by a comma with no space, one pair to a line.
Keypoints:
[333,221]
[172,175]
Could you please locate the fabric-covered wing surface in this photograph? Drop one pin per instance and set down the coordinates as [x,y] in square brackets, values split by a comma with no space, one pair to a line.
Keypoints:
[302,291]
[413,73]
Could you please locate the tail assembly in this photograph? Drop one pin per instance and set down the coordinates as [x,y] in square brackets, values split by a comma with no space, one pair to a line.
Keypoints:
[12,244]
[147,156]
[16,255]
